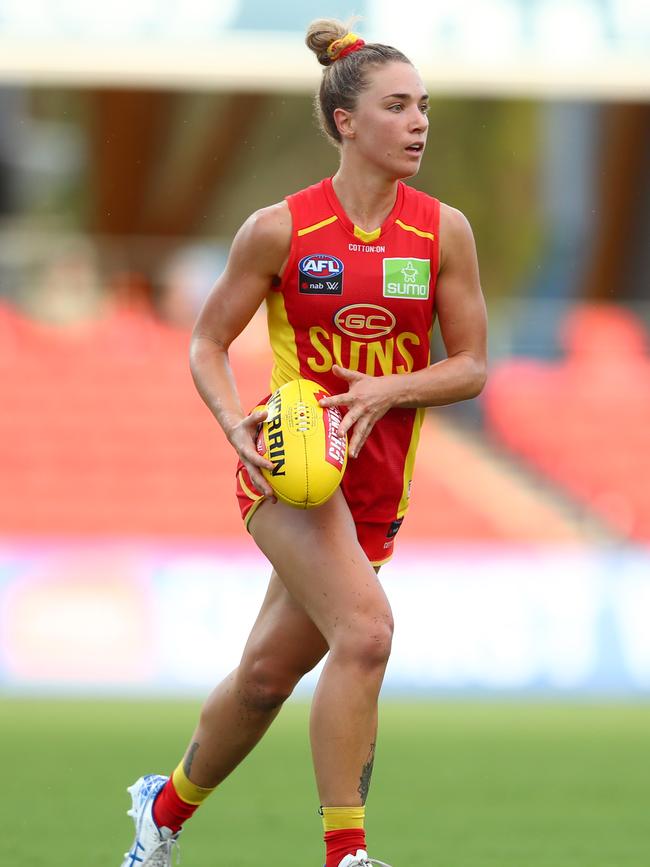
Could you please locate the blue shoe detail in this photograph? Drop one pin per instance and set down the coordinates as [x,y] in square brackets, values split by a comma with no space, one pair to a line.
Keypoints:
[152,846]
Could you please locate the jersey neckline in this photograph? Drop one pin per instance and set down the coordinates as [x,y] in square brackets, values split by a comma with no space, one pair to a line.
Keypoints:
[360,235]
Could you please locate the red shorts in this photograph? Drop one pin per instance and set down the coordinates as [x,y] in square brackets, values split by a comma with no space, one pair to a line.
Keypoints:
[377,539]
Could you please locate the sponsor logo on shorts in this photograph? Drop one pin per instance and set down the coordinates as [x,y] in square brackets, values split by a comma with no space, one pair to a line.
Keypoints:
[407,278]
[394,527]
[364,321]
[320,274]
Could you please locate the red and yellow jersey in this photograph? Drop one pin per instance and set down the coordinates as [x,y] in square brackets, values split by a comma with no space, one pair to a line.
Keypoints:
[363,300]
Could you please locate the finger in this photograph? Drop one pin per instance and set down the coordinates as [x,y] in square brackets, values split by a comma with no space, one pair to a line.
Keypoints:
[349,420]
[254,455]
[258,460]
[360,435]
[335,400]
[346,373]
[252,420]
[252,449]
[258,480]
[251,423]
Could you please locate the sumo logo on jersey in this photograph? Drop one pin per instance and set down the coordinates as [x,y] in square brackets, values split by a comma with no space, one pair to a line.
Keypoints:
[320,274]
[407,278]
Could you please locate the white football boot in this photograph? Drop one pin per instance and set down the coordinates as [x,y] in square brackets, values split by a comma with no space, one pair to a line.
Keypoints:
[152,846]
[360,860]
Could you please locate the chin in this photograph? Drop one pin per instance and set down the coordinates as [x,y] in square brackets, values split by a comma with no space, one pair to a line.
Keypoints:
[406,172]
[411,173]
[397,170]
[405,169]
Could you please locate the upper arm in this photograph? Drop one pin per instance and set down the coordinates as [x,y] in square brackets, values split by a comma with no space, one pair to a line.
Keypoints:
[257,255]
[460,305]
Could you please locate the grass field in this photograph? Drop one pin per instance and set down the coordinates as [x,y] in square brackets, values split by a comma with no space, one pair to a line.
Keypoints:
[455,785]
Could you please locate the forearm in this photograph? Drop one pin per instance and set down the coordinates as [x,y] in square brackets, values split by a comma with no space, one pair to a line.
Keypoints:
[460,377]
[215,383]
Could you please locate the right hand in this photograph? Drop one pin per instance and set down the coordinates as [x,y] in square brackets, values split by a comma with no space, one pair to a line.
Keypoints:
[243,439]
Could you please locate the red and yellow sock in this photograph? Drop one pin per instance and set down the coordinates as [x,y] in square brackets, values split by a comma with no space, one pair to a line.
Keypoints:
[343,832]
[177,800]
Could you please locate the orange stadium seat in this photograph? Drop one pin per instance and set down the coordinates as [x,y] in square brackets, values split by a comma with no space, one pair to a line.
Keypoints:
[583,422]
[102,433]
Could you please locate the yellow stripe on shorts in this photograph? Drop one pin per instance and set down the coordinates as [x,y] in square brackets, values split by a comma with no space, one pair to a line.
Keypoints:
[409,463]
[250,494]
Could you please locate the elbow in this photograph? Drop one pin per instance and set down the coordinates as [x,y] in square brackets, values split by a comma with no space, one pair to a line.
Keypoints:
[477,379]
[195,355]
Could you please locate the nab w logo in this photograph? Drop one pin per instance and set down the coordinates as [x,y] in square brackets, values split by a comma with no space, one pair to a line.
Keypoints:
[320,274]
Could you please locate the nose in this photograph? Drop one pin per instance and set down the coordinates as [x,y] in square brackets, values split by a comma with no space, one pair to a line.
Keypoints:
[418,122]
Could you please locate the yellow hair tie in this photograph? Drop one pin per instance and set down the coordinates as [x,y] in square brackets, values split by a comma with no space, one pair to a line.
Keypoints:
[344,46]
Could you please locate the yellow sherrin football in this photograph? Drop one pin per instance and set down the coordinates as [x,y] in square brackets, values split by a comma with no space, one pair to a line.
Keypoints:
[301,440]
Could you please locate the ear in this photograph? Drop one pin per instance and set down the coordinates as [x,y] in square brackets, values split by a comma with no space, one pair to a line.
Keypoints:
[344,121]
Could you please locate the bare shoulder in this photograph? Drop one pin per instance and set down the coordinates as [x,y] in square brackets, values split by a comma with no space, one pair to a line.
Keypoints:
[262,243]
[456,236]
[270,226]
[453,220]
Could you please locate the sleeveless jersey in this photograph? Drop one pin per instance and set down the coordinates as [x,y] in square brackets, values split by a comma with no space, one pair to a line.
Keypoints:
[365,301]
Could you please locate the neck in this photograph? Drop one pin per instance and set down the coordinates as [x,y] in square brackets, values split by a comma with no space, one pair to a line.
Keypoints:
[366,199]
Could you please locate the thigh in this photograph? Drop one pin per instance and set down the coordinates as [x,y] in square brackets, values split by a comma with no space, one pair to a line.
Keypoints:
[283,636]
[318,558]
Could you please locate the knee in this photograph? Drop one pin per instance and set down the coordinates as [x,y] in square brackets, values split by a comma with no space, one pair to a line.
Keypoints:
[262,684]
[366,644]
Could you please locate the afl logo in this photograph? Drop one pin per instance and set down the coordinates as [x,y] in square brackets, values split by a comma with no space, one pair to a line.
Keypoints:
[320,274]
[365,321]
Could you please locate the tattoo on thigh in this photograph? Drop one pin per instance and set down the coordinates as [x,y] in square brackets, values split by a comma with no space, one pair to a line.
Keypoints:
[189,758]
[366,773]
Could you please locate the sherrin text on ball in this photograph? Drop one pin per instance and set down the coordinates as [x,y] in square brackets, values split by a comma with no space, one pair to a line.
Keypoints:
[302,441]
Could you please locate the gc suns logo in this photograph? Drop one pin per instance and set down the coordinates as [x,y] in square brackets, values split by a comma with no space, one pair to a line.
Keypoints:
[320,274]
[364,321]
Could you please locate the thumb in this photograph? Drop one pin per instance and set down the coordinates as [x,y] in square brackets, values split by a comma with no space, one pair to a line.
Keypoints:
[258,415]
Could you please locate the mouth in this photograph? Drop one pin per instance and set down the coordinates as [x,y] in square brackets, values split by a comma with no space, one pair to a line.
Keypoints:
[415,148]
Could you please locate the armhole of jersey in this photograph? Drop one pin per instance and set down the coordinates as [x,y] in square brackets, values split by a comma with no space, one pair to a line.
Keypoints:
[279,287]
[436,237]
[435,257]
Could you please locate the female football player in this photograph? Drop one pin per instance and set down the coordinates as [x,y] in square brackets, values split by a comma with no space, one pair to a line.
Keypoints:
[354,271]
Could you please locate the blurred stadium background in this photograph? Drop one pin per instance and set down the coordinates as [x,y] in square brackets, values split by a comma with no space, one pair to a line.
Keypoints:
[134,139]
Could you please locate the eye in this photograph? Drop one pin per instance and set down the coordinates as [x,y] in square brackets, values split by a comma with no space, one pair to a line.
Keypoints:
[424,108]
[396,107]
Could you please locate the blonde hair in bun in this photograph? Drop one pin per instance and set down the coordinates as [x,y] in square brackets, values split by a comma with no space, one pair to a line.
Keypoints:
[320,35]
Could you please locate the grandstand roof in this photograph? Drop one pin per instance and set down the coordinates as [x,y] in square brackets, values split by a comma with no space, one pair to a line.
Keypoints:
[576,48]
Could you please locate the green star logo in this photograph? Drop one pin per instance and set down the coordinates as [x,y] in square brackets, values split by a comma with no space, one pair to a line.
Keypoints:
[410,273]
[407,278]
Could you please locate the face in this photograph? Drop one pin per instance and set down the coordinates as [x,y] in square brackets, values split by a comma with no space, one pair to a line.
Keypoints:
[388,127]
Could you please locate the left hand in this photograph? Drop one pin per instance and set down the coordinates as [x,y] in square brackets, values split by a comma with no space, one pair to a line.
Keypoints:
[368,399]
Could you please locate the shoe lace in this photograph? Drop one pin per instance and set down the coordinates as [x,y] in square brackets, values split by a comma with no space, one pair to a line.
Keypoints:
[162,854]
[366,862]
